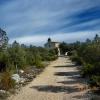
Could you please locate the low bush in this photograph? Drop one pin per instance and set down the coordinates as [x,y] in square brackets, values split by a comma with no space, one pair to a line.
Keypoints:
[95,80]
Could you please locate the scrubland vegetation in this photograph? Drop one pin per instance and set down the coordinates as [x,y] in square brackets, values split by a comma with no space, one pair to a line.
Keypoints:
[86,54]
[15,56]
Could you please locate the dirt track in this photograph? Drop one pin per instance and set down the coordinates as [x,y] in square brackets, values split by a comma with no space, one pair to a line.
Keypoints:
[59,81]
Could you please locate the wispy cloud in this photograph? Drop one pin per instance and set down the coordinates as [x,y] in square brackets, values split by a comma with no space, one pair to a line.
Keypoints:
[40,40]
[31,19]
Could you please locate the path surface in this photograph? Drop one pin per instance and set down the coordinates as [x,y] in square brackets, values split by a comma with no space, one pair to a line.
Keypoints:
[59,81]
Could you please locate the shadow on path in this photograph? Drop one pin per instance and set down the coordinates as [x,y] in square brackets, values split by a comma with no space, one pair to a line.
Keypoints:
[56,89]
[68,82]
[71,73]
[70,65]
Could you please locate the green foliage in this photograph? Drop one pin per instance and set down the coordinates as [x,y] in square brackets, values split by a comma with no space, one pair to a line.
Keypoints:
[87,54]
[48,55]
[22,55]
[4,60]
[64,47]
[17,55]
[3,40]
[77,59]
[95,80]
[87,70]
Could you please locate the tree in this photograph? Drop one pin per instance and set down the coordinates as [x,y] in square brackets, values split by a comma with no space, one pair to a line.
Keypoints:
[3,40]
[96,38]
[17,55]
[88,41]
[3,54]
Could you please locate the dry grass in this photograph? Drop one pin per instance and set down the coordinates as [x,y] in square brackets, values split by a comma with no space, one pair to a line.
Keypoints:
[6,82]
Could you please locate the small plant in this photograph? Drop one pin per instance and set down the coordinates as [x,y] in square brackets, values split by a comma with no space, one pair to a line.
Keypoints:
[39,65]
[95,80]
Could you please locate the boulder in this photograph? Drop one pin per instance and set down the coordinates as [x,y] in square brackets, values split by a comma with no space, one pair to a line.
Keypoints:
[16,77]
[21,71]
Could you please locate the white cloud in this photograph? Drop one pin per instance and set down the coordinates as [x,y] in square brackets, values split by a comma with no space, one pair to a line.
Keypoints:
[39,40]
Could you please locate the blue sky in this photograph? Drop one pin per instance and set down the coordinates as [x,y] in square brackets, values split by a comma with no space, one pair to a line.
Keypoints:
[33,21]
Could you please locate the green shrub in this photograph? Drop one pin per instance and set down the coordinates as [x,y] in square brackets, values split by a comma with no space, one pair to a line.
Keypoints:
[4,61]
[86,70]
[77,59]
[40,65]
[95,80]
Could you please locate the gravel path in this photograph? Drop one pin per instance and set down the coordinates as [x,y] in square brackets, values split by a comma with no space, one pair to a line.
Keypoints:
[59,81]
